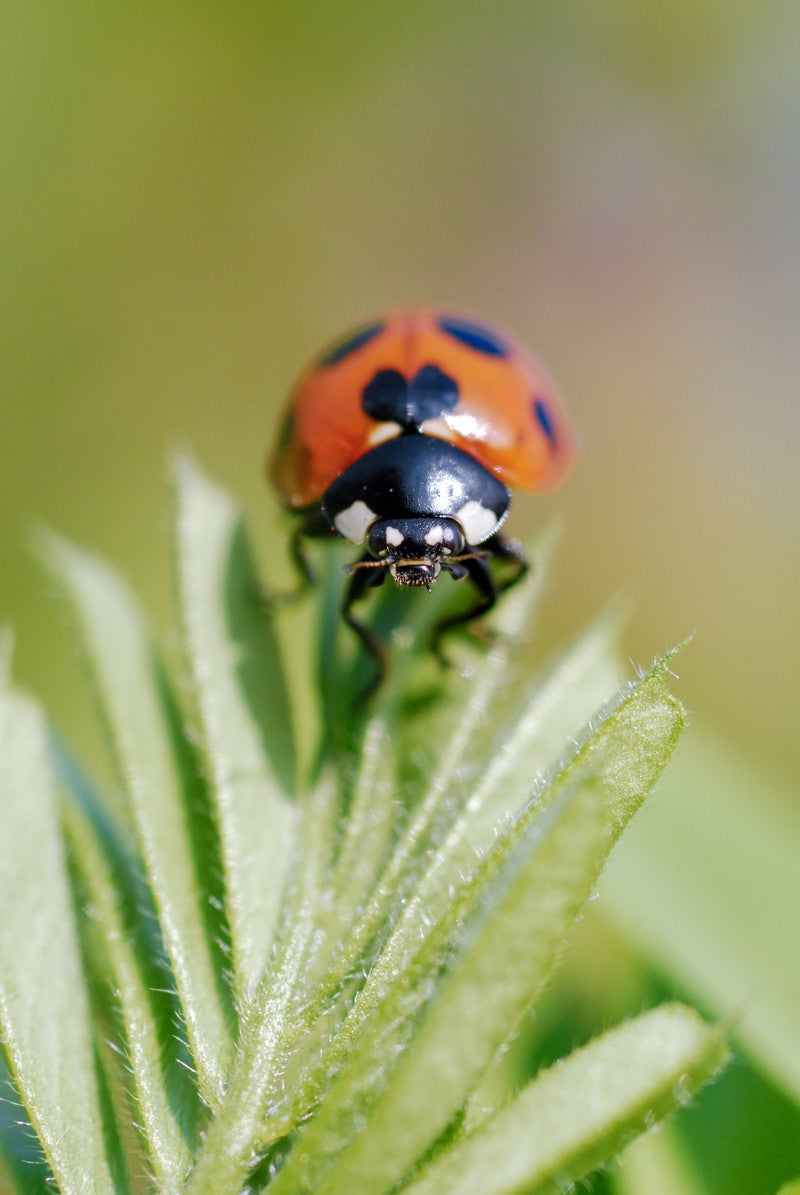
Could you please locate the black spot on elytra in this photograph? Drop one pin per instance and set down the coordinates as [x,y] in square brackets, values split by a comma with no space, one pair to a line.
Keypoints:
[351,342]
[474,336]
[541,413]
[390,397]
[386,397]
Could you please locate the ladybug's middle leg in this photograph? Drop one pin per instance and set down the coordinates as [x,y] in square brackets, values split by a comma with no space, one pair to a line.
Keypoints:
[488,586]
[502,547]
[313,526]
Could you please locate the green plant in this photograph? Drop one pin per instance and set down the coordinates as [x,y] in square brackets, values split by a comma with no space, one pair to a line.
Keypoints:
[289,953]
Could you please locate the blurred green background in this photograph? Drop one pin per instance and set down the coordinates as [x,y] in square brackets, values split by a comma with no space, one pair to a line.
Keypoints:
[196,196]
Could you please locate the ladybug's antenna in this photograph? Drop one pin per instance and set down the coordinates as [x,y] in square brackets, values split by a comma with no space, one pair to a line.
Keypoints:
[352,568]
[466,556]
[359,564]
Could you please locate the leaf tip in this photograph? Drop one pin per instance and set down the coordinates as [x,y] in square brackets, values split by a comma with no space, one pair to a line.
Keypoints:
[6,654]
[182,466]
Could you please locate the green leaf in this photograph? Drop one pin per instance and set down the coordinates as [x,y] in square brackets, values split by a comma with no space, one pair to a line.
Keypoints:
[707,886]
[247,736]
[583,1110]
[792,1188]
[624,751]
[656,1163]
[153,762]
[276,1023]
[144,1044]
[546,719]
[366,834]
[44,1013]
[453,1002]
[23,1165]
[347,954]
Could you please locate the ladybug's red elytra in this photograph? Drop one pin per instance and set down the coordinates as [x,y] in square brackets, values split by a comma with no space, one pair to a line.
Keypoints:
[404,437]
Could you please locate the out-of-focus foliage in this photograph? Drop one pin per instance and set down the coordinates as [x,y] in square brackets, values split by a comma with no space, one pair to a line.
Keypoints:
[195,196]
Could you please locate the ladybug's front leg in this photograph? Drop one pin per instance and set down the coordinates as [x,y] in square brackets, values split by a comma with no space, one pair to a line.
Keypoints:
[484,580]
[481,576]
[362,579]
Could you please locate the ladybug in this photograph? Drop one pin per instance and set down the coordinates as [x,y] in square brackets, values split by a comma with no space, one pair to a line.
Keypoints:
[404,437]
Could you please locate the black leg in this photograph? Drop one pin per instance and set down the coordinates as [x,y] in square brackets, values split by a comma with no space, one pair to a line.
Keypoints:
[313,526]
[481,576]
[488,586]
[362,579]
[503,548]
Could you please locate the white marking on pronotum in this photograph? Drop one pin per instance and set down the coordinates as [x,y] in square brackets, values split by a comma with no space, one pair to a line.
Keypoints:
[383,431]
[477,521]
[435,535]
[437,428]
[355,522]
[394,536]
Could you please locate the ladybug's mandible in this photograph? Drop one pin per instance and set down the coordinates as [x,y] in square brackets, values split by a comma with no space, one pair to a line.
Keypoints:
[404,437]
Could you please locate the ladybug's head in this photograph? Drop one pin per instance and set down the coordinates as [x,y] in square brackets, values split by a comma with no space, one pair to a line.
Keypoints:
[414,550]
